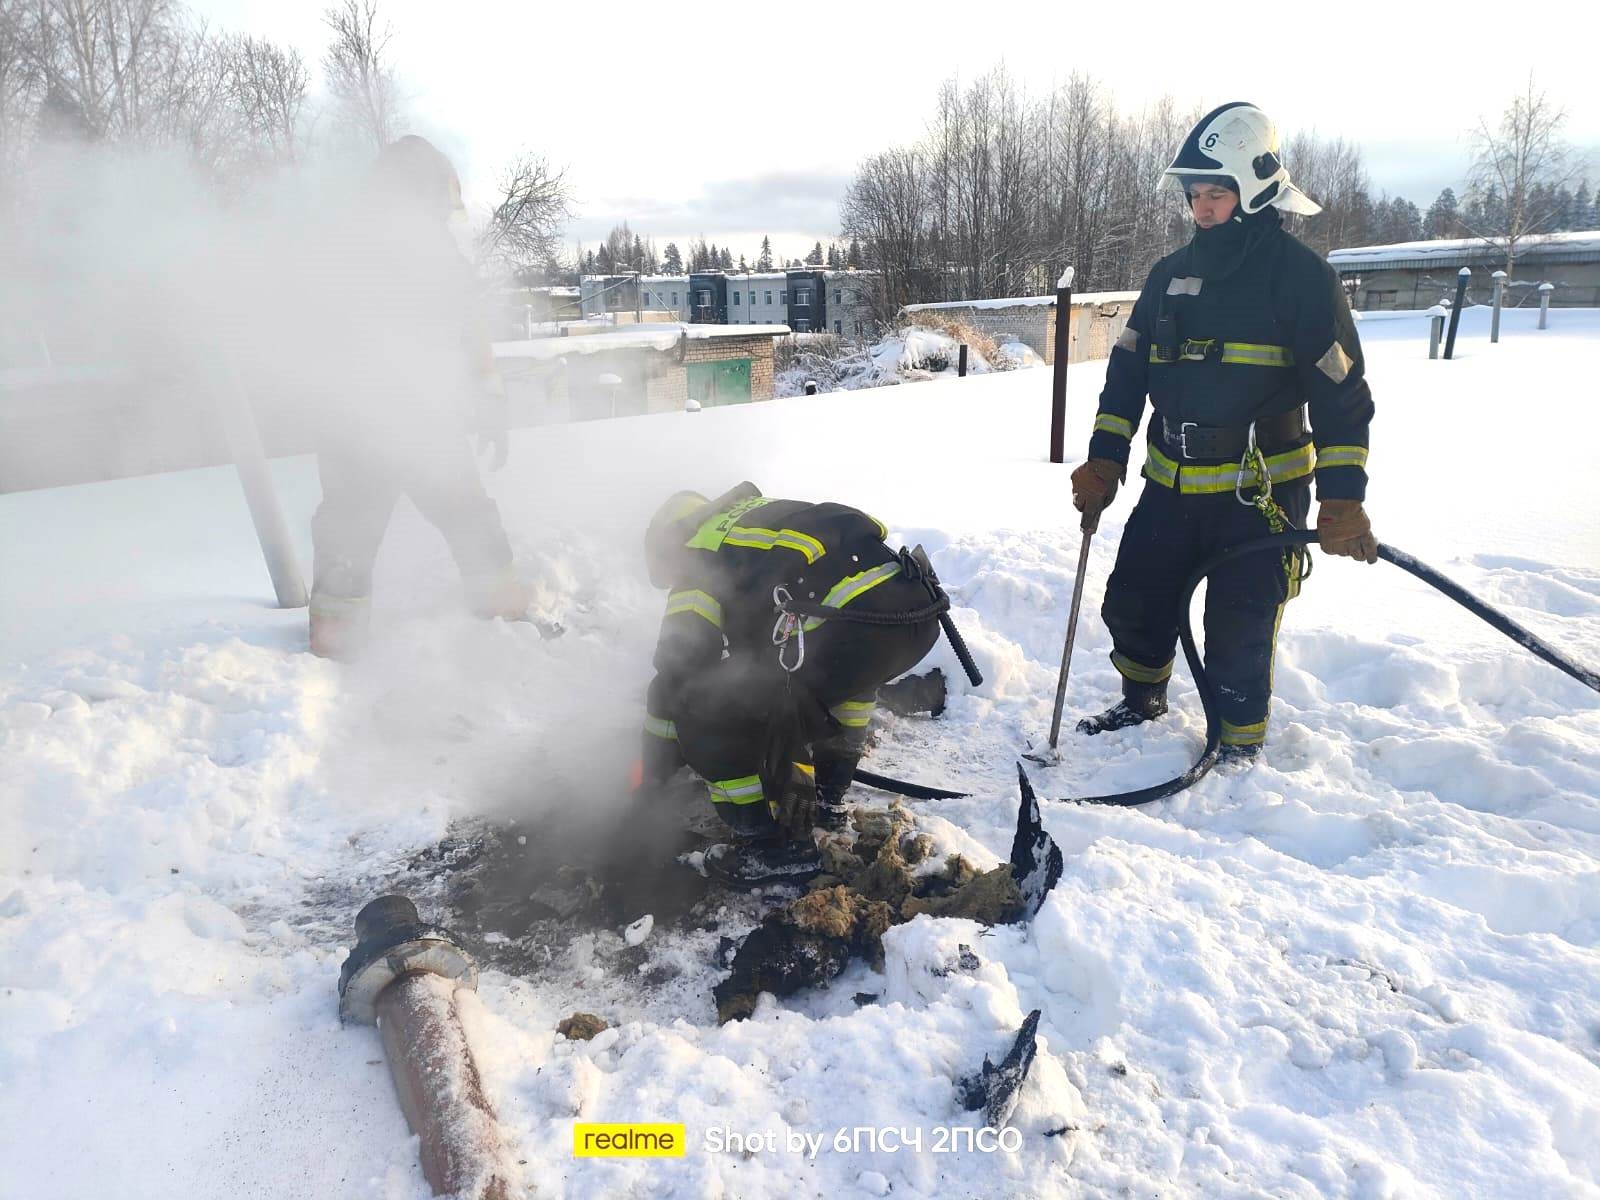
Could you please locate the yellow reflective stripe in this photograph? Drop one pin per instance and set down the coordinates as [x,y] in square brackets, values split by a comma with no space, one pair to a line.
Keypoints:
[806,769]
[715,528]
[853,587]
[656,727]
[744,790]
[1256,354]
[1138,672]
[1291,464]
[1341,456]
[1107,423]
[1244,735]
[1204,480]
[1249,354]
[854,714]
[1159,467]
[753,538]
[883,530]
[700,603]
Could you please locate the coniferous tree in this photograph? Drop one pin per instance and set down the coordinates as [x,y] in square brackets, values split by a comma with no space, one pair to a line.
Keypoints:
[814,259]
[853,257]
[672,261]
[1444,216]
[764,262]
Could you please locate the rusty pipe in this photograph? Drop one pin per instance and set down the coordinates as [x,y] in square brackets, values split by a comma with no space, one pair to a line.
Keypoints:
[402,975]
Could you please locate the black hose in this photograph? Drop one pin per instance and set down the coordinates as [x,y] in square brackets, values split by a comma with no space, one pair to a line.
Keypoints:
[959,645]
[1304,537]
[1276,541]
[917,791]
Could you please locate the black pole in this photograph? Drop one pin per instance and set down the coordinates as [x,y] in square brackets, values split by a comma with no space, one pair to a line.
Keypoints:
[961,362]
[1455,311]
[1058,382]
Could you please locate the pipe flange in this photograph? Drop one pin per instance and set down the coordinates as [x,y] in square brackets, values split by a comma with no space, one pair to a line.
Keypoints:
[393,941]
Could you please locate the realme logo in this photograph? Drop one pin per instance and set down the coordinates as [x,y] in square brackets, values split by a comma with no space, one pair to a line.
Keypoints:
[627,1141]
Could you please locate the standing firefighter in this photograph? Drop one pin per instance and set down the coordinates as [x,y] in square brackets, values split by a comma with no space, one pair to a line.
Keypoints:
[748,692]
[412,377]
[1233,338]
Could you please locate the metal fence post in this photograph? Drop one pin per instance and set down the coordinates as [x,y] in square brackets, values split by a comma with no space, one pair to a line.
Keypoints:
[1455,311]
[1544,302]
[1436,316]
[1058,381]
[1499,298]
[961,362]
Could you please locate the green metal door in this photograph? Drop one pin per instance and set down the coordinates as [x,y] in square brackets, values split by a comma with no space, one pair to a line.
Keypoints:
[716,383]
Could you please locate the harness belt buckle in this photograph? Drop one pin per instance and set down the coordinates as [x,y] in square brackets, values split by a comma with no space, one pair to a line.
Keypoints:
[1183,436]
[1196,349]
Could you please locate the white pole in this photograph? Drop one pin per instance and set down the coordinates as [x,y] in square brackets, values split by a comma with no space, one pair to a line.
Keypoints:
[1544,302]
[1499,296]
[250,458]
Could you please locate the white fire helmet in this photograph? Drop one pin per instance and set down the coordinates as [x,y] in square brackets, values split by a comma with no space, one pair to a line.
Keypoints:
[1240,142]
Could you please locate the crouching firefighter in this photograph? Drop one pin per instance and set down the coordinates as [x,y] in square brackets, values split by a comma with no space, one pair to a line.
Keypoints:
[783,620]
[1234,338]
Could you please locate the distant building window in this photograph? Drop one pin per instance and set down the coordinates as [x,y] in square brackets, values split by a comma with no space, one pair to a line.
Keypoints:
[768,296]
[802,325]
[838,328]
[858,328]
[802,297]
[674,299]
[736,299]
[838,296]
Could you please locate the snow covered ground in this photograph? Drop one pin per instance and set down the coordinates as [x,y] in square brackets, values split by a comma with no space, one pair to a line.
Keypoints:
[1368,967]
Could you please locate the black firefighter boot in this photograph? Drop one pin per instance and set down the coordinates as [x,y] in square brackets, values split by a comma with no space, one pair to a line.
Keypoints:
[834,774]
[1140,702]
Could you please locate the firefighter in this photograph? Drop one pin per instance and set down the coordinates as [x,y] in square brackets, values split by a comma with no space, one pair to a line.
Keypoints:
[1234,338]
[745,690]
[412,378]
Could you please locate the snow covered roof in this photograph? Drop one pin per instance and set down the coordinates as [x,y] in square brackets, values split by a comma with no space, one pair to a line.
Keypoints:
[1574,246]
[1030,301]
[664,335]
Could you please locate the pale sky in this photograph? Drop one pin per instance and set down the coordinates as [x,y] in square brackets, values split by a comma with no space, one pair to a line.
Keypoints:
[733,120]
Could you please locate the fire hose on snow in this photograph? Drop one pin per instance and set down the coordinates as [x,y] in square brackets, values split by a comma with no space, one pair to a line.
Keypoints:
[1288,539]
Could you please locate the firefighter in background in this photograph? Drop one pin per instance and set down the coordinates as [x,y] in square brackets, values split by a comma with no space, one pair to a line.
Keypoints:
[1233,338]
[743,692]
[411,378]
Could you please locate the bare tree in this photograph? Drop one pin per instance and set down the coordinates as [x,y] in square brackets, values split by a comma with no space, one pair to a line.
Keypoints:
[366,97]
[21,86]
[1527,161]
[267,85]
[524,231]
[110,62]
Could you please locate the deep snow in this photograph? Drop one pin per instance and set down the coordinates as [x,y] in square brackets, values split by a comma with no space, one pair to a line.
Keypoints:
[1368,967]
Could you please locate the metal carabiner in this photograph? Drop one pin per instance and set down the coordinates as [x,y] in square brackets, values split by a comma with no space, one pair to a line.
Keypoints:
[788,627]
[1257,463]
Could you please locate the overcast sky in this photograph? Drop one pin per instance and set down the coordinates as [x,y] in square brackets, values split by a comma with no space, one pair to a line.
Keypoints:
[737,119]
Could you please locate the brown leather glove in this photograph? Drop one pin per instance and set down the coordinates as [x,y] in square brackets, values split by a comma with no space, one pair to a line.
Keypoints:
[1094,484]
[1343,528]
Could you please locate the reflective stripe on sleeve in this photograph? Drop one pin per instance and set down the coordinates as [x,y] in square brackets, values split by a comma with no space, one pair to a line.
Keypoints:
[656,727]
[701,604]
[744,790]
[1342,456]
[1110,423]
